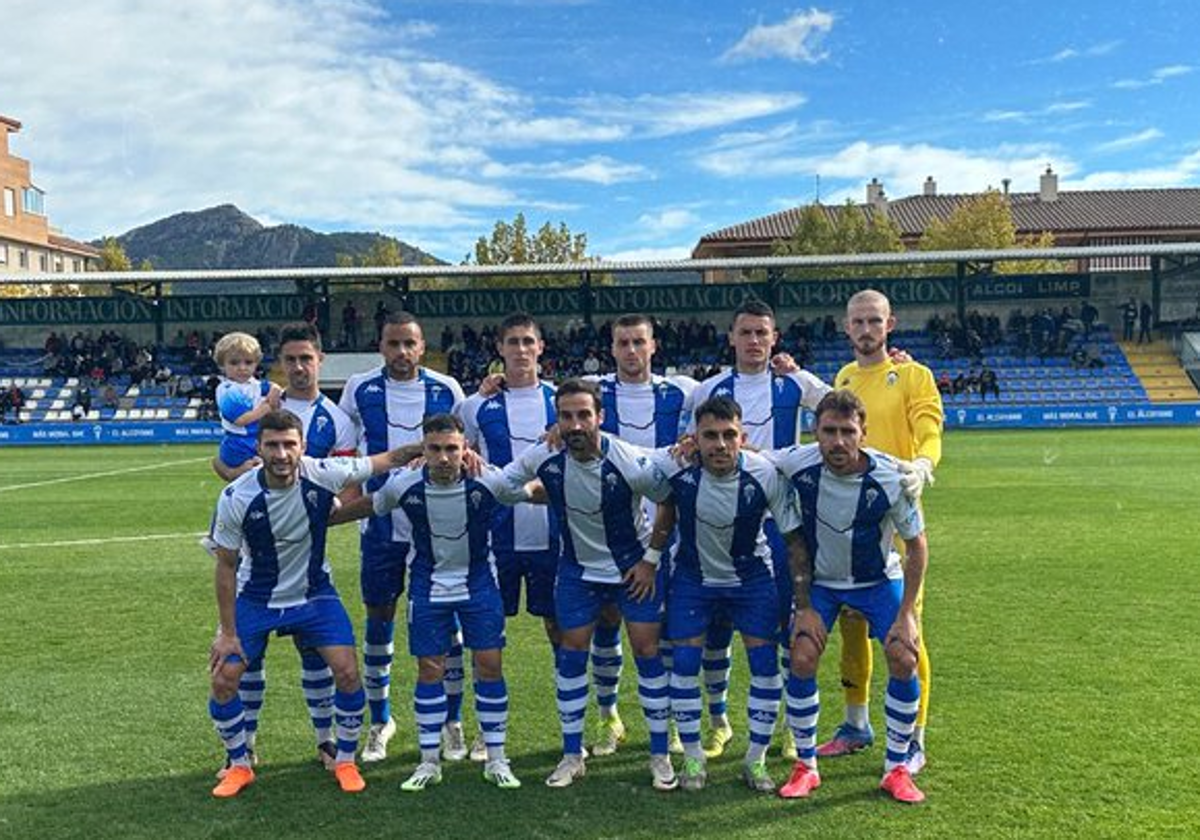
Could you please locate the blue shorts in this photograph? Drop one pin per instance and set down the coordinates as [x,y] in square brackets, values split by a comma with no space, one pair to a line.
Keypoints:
[537,569]
[879,604]
[381,576]
[431,625]
[321,622]
[578,602]
[750,607]
[236,450]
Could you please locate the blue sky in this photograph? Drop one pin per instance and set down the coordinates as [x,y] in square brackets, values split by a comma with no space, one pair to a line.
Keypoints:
[643,124]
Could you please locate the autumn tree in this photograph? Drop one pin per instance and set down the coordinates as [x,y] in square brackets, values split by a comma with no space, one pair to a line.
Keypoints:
[845,230]
[512,244]
[985,223]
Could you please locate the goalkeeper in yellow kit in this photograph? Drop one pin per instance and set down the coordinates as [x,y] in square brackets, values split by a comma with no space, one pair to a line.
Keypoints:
[905,408]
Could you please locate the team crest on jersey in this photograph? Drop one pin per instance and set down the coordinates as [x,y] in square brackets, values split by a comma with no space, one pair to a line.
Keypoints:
[892,378]
[611,480]
[322,422]
[475,499]
[747,494]
[436,390]
[872,494]
[779,384]
[311,498]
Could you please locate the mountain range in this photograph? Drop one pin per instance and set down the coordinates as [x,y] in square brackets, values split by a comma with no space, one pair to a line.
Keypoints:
[225,237]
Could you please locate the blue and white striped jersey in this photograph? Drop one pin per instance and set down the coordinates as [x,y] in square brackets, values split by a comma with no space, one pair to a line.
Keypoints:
[598,504]
[451,558]
[281,533]
[850,521]
[501,427]
[720,518]
[327,429]
[771,404]
[649,414]
[388,413]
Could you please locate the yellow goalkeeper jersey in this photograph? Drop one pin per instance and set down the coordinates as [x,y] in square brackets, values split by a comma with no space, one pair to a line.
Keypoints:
[904,408]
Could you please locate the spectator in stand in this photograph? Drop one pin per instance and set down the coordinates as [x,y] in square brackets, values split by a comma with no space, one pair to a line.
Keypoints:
[381,314]
[1129,314]
[16,401]
[1088,315]
[83,399]
[988,382]
[350,332]
[945,384]
[109,398]
[1145,323]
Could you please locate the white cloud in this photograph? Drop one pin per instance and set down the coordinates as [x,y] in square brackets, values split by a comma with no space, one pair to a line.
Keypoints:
[796,39]
[595,170]
[1156,78]
[1129,141]
[1071,53]
[1184,171]
[1053,109]
[667,221]
[662,254]
[665,116]
[901,167]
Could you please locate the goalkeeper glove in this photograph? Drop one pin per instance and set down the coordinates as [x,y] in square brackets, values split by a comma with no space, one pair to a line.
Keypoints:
[915,476]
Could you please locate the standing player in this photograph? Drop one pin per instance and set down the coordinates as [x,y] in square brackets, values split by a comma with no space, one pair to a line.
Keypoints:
[771,405]
[853,506]
[723,563]
[905,407]
[272,575]
[502,426]
[388,406]
[452,583]
[594,486]
[327,432]
[647,410]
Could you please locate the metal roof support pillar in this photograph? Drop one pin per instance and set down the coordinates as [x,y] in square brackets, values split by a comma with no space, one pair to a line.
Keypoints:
[587,300]
[960,290]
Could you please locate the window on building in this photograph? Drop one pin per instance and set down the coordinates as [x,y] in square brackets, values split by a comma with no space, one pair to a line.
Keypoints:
[58,263]
[22,258]
[10,202]
[75,266]
[3,254]
[33,201]
[43,263]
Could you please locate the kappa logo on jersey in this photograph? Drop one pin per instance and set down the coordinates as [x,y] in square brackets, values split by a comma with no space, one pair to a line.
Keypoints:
[687,478]
[257,514]
[723,392]
[373,389]
[807,480]
[492,405]
[553,469]
[414,502]
[845,383]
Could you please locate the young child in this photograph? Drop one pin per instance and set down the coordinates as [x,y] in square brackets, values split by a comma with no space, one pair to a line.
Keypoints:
[241,398]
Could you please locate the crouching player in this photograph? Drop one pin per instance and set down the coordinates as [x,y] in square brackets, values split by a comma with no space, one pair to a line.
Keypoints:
[452,584]
[268,535]
[853,505]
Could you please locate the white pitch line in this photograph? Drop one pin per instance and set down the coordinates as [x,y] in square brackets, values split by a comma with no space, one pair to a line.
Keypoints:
[89,476]
[101,540]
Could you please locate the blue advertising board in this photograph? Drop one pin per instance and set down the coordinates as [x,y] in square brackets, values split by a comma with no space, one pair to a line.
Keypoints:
[998,416]
[126,431]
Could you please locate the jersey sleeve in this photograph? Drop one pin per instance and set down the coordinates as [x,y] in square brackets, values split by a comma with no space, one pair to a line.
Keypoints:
[523,469]
[906,516]
[387,498]
[925,413]
[226,529]
[812,388]
[657,468]
[782,501]
[505,491]
[334,474]
[346,442]
[468,412]
[348,404]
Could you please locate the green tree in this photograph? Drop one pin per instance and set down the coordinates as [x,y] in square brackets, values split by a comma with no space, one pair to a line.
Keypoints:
[985,222]
[512,244]
[850,231]
[113,256]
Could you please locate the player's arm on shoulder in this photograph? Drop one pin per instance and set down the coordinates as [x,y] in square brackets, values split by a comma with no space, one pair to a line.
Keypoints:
[814,388]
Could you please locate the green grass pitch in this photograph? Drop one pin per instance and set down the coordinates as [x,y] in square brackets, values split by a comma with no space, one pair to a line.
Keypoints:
[1062,615]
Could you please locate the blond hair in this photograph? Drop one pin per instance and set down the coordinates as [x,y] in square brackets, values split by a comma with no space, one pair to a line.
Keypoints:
[237,342]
